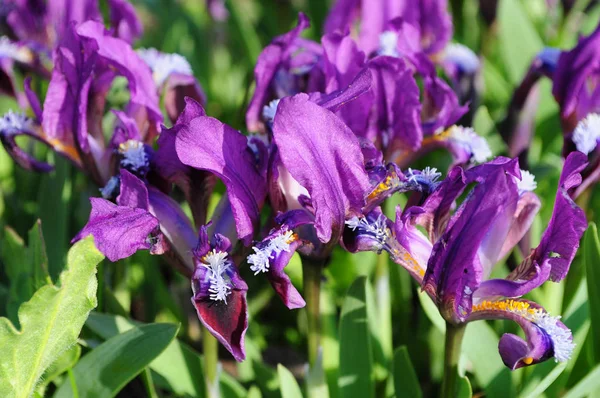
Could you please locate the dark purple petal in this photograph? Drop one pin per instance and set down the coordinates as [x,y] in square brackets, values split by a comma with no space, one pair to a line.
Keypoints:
[337,99]
[179,89]
[324,156]
[220,293]
[207,144]
[395,119]
[440,107]
[13,125]
[574,71]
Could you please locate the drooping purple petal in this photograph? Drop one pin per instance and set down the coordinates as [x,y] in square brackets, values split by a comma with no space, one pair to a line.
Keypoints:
[219,293]
[545,335]
[324,156]
[207,144]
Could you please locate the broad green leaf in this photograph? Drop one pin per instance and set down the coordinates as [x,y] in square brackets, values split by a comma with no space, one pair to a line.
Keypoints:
[289,386]
[406,382]
[587,385]
[591,256]
[179,366]
[464,388]
[50,323]
[356,355]
[519,41]
[105,370]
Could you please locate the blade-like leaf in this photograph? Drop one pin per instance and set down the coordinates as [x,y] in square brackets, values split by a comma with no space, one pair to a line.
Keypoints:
[406,382]
[587,385]
[591,255]
[464,388]
[50,323]
[105,370]
[356,355]
[519,41]
[289,386]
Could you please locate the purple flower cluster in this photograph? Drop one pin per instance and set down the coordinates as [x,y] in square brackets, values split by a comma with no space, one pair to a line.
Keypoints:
[335,126]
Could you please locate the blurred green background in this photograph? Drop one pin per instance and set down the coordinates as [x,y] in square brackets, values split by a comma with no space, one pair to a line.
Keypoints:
[143,288]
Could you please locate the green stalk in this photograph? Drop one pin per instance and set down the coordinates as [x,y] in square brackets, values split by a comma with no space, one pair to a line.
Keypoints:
[454,337]
[211,363]
[311,273]
[149,383]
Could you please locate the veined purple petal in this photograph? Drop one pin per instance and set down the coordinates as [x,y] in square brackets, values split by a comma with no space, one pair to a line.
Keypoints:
[324,156]
[120,231]
[207,144]
[455,269]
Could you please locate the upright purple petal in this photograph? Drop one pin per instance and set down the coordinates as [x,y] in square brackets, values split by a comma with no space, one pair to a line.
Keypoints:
[207,144]
[124,20]
[269,61]
[324,156]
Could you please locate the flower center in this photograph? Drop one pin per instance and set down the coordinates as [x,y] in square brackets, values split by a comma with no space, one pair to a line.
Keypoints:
[467,138]
[134,157]
[527,182]
[15,121]
[388,43]
[260,260]
[587,133]
[428,177]
[217,264]
[376,229]
[164,64]
[462,57]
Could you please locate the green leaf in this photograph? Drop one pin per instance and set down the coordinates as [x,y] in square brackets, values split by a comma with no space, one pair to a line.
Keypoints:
[289,386]
[179,367]
[406,382]
[591,255]
[519,41]
[50,323]
[464,388]
[105,370]
[547,381]
[356,355]
[587,385]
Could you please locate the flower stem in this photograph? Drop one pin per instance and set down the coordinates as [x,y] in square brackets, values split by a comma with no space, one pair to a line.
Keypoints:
[311,272]
[454,337]
[211,363]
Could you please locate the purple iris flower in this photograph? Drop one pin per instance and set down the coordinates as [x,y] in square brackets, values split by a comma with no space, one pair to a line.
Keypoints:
[87,61]
[317,176]
[430,18]
[283,68]
[453,261]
